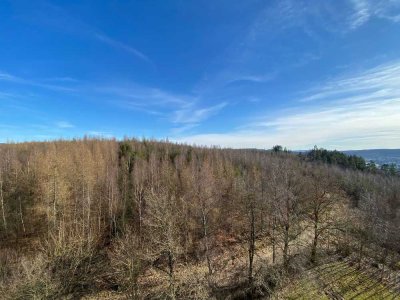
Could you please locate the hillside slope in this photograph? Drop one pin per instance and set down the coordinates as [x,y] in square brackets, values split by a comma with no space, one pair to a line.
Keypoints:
[154,220]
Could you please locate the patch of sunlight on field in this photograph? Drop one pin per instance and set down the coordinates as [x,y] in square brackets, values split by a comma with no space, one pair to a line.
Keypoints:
[340,280]
[304,289]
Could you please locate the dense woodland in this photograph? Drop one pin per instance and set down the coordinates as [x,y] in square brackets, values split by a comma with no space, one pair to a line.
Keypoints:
[157,220]
[346,161]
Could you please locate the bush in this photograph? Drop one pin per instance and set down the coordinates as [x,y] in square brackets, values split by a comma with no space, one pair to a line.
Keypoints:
[29,279]
[127,265]
[76,266]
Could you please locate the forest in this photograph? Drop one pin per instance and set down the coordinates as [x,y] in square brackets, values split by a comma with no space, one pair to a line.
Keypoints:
[347,161]
[143,219]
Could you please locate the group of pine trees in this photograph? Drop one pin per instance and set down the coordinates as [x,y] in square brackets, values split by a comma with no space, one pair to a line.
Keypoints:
[346,161]
[82,216]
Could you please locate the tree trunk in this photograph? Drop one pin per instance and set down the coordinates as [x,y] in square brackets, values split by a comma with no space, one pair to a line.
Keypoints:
[314,249]
[251,245]
[360,253]
[140,212]
[273,241]
[286,247]
[89,202]
[315,241]
[171,275]
[2,206]
[21,215]
[385,254]
[205,236]
[54,200]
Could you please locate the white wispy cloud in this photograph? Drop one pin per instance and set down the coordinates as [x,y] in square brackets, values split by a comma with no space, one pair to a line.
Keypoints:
[153,101]
[64,124]
[359,110]
[192,115]
[361,13]
[182,111]
[138,96]
[364,10]
[120,45]
[99,134]
[339,16]
[380,82]
[61,79]
[231,77]
[60,19]
[4,76]
[7,95]
[7,77]
[250,59]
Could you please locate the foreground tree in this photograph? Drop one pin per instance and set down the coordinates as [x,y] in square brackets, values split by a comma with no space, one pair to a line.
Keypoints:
[252,189]
[205,195]
[290,208]
[163,235]
[323,195]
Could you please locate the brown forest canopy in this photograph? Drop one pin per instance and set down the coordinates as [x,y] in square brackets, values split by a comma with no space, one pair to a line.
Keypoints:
[92,205]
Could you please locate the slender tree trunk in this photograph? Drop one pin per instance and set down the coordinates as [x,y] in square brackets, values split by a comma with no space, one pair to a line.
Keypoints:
[2,205]
[124,197]
[286,247]
[54,200]
[385,254]
[314,249]
[113,223]
[205,236]
[140,204]
[251,244]
[315,240]
[329,241]
[273,241]
[171,274]
[89,201]
[360,253]
[83,210]
[286,235]
[21,215]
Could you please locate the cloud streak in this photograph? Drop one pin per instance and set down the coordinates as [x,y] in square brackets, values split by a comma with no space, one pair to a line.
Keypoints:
[192,115]
[57,18]
[119,45]
[364,10]
[64,124]
[381,82]
[183,112]
[355,111]
[7,77]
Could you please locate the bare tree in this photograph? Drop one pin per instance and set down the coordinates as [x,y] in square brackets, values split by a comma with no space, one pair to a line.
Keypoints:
[248,187]
[290,206]
[205,194]
[163,234]
[323,194]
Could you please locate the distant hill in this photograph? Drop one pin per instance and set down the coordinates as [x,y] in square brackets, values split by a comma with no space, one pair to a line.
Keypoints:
[379,156]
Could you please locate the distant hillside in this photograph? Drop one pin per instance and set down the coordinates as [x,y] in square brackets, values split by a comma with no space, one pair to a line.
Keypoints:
[379,156]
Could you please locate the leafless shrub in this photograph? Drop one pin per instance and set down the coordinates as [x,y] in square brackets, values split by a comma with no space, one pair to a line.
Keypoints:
[128,264]
[30,279]
[76,266]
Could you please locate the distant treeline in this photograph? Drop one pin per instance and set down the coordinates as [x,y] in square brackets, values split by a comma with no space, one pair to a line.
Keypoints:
[353,162]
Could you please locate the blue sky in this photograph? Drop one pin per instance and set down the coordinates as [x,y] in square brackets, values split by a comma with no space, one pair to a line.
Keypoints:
[231,73]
